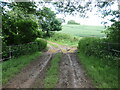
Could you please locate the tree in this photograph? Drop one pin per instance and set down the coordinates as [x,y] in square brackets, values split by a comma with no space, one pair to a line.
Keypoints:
[72,22]
[27,7]
[18,26]
[18,29]
[48,21]
[61,20]
[113,32]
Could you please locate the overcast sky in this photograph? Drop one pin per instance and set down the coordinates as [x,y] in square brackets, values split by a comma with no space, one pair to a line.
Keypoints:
[92,20]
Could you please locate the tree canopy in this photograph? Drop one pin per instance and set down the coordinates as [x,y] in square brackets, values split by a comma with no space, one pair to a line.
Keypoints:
[18,26]
[48,21]
[20,21]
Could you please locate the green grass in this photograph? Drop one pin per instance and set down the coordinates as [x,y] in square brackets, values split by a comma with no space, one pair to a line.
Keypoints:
[83,30]
[11,67]
[0,75]
[64,39]
[52,44]
[103,75]
[52,74]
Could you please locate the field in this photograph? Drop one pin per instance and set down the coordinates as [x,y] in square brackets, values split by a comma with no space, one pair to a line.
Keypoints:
[83,30]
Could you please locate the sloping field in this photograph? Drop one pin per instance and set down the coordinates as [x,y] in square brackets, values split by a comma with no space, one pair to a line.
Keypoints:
[83,30]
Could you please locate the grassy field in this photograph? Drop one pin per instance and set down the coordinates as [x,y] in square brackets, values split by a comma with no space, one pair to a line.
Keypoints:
[83,30]
[11,67]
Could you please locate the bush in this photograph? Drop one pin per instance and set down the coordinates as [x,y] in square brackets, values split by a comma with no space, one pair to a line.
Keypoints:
[23,49]
[96,46]
[42,44]
[89,45]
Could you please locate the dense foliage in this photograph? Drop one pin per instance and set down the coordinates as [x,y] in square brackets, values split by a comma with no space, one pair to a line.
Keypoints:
[41,43]
[19,32]
[48,21]
[23,49]
[100,61]
[113,32]
[20,21]
[96,47]
[18,25]
[103,72]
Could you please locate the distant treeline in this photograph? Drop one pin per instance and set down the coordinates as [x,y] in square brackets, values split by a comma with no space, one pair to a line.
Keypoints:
[73,22]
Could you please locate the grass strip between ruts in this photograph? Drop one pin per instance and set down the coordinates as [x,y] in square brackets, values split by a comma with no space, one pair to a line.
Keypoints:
[52,75]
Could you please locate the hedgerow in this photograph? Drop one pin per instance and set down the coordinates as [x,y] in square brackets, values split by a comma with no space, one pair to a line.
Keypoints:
[99,48]
[13,51]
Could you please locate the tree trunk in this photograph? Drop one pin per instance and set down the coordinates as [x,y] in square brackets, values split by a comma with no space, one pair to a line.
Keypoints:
[119,9]
[47,33]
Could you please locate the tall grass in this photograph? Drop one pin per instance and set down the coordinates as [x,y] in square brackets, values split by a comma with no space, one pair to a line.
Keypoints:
[11,67]
[102,74]
[101,64]
[0,75]
[64,39]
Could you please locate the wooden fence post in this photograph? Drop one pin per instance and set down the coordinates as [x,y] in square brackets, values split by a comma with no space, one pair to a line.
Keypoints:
[10,52]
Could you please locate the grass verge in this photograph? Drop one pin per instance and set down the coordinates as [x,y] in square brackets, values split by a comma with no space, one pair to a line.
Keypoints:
[51,78]
[11,67]
[103,76]
[0,75]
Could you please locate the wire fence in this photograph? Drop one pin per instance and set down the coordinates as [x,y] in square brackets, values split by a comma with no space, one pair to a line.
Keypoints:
[9,52]
[111,47]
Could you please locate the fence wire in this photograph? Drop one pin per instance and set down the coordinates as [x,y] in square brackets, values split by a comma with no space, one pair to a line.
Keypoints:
[9,52]
[111,47]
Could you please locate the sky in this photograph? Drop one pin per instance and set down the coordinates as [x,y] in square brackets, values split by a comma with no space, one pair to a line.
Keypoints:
[93,19]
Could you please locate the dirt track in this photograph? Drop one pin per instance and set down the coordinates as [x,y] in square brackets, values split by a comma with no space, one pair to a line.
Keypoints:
[72,74]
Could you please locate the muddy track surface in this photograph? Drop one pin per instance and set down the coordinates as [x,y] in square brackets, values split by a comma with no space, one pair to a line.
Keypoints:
[72,74]
[27,76]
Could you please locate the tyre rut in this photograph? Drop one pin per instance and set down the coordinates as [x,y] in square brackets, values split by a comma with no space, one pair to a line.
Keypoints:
[72,73]
[28,75]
